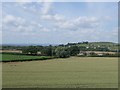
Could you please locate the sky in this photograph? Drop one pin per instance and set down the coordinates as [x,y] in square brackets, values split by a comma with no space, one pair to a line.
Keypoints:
[59,22]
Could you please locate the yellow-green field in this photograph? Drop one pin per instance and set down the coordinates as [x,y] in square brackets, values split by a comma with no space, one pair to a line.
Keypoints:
[74,72]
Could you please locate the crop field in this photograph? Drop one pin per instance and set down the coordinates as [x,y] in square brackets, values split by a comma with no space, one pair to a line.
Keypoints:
[10,57]
[74,72]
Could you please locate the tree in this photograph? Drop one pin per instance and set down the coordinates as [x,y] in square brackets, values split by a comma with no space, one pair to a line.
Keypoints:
[85,42]
[62,52]
[102,49]
[82,48]
[40,48]
[74,50]
[47,51]
[30,50]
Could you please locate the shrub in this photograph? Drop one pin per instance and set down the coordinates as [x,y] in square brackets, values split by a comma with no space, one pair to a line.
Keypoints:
[62,52]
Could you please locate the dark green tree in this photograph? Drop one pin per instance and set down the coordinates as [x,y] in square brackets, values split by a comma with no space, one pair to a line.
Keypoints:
[62,52]
[74,50]
[30,50]
[47,51]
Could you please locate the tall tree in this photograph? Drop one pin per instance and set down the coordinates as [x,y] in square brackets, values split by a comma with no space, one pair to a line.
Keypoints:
[30,50]
[74,50]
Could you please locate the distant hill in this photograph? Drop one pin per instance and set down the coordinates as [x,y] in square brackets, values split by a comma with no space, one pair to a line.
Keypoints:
[110,45]
[83,46]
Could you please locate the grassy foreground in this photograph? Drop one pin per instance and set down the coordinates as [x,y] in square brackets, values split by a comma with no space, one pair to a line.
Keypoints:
[74,72]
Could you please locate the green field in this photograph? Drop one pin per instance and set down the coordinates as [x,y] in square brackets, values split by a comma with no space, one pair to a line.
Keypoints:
[11,57]
[74,72]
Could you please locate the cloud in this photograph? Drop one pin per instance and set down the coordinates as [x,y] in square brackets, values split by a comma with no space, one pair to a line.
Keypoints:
[46,17]
[57,21]
[101,0]
[14,23]
[10,19]
[24,1]
[78,23]
[40,20]
[38,8]
[54,17]
[44,10]
[46,7]
[20,25]
[61,22]
[61,0]
[87,22]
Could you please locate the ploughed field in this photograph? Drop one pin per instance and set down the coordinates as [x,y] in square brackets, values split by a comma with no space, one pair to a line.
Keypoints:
[73,72]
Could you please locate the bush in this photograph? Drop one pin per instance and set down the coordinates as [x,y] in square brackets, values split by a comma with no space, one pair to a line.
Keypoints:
[62,52]
[30,50]
[74,50]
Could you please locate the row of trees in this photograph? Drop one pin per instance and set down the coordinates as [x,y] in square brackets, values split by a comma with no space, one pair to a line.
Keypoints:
[61,52]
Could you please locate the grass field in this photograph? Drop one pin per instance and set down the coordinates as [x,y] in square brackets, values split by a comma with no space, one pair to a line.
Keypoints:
[10,57]
[74,72]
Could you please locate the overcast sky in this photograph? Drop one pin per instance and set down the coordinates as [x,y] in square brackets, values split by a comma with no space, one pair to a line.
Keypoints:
[60,22]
